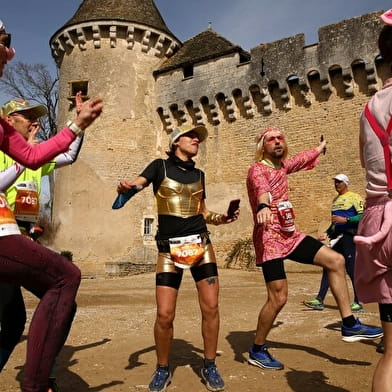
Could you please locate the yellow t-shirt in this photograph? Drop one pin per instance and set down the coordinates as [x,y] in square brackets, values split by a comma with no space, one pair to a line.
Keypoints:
[27,175]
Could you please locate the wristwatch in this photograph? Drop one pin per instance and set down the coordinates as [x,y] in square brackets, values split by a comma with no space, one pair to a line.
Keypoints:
[74,128]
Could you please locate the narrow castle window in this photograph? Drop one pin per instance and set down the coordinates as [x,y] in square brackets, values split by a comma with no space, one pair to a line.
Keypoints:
[76,86]
[148,227]
[188,71]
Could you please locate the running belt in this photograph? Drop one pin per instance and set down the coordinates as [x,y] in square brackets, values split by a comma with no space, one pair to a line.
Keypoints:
[383,136]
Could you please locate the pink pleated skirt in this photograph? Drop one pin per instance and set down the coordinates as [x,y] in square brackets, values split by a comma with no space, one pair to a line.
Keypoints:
[373,266]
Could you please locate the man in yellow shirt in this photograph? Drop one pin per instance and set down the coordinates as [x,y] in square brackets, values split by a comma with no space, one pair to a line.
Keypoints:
[347,210]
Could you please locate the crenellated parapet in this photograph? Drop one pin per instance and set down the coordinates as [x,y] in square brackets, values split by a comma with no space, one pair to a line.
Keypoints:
[278,76]
[110,32]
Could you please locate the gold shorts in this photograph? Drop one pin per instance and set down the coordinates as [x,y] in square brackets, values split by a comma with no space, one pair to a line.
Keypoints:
[166,264]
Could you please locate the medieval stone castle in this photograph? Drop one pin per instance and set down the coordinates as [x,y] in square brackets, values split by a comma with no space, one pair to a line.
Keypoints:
[122,51]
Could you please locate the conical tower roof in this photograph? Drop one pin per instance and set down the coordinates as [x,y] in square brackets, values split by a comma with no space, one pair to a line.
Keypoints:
[138,11]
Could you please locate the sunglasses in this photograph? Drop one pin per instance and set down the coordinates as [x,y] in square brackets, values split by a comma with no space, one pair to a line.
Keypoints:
[271,139]
[5,40]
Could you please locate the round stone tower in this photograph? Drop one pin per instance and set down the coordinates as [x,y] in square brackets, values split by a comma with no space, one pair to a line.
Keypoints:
[109,49]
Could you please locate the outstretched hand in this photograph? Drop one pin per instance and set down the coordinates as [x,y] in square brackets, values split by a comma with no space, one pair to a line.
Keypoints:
[124,186]
[265,217]
[88,112]
[233,218]
[78,102]
[322,147]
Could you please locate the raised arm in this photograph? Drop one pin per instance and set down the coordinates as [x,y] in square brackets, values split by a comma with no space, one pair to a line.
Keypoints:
[13,144]
[69,157]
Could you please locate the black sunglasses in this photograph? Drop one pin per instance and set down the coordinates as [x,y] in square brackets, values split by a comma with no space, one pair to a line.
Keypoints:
[5,39]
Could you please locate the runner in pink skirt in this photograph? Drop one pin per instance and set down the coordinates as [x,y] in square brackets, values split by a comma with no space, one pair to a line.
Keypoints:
[373,273]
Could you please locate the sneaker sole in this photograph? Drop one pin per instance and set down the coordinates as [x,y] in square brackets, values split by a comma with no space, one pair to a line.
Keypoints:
[314,307]
[209,386]
[357,338]
[262,366]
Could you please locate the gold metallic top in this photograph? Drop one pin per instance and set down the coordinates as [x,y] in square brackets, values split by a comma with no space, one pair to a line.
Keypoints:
[175,198]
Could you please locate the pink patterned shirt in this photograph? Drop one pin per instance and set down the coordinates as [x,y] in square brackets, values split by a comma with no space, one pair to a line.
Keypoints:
[273,242]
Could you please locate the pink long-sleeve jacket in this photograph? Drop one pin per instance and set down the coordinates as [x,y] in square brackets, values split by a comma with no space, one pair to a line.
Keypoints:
[33,157]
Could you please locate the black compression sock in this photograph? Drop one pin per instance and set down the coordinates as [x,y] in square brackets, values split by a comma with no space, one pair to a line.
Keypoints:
[349,321]
[257,347]
[209,362]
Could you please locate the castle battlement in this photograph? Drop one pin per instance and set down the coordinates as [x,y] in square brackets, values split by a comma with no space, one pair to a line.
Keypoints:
[109,32]
[278,75]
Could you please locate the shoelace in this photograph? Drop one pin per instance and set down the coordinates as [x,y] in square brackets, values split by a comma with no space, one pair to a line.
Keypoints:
[267,353]
[212,372]
[159,377]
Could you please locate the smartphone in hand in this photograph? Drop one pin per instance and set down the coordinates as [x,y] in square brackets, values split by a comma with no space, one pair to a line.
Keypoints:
[233,207]
[325,148]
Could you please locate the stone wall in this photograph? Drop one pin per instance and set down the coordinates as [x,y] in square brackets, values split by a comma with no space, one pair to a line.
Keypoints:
[307,91]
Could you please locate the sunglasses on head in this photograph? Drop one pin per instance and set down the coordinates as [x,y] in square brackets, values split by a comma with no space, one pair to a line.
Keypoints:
[271,139]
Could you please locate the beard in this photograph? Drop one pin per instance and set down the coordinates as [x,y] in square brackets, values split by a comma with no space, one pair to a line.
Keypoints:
[277,153]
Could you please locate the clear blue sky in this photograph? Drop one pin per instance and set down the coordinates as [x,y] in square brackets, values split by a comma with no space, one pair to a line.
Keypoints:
[246,23]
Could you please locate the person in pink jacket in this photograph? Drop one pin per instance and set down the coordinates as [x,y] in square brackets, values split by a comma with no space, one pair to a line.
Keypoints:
[373,273]
[28,264]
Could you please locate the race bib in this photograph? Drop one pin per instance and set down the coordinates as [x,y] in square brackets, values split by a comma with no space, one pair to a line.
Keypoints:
[286,216]
[27,201]
[186,251]
[8,223]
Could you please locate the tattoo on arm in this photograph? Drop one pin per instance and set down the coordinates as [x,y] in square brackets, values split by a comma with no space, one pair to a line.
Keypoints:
[211,280]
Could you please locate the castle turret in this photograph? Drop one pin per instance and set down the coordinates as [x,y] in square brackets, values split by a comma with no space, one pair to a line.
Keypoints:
[109,49]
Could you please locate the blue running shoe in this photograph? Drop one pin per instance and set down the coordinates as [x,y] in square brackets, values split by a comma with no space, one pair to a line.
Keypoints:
[360,332]
[212,378]
[160,379]
[264,359]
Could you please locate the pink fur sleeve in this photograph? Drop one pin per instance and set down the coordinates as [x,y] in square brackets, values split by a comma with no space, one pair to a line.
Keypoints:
[384,230]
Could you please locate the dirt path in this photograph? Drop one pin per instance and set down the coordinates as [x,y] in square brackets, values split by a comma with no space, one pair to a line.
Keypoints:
[110,347]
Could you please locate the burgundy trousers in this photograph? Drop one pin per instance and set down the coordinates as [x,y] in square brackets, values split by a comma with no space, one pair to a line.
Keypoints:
[40,270]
